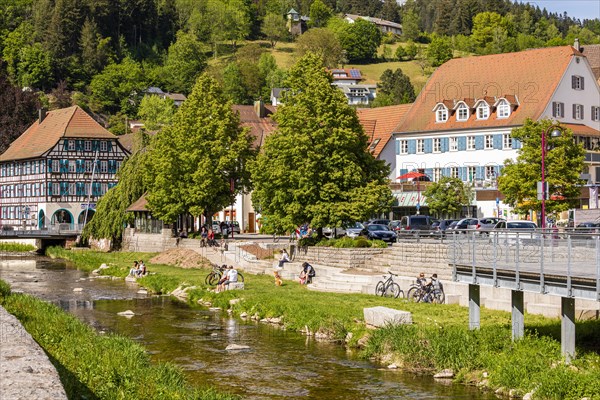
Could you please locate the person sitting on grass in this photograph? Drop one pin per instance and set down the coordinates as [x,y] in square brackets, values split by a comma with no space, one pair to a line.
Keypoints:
[231,276]
[141,271]
[134,270]
[307,273]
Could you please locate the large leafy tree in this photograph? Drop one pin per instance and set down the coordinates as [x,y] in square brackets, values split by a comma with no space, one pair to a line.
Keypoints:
[319,14]
[185,62]
[439,51]
[18,110]
[564,163]
[360,40]
[156,112]
[316,166]
[114,87]
[110,217]
[323,42]
[195,160]
[274,28]
[394,88]
[446,197]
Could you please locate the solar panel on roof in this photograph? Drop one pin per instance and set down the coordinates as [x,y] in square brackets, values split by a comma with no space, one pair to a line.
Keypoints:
[355,73]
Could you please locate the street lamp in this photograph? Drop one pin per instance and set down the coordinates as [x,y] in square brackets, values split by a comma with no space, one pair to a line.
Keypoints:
[556,132]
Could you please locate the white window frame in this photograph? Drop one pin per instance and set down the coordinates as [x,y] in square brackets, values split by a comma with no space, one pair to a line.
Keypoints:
[470,142]
[437,145]
[558,110]
[89,166]
[578,112]
[503,110]
[507,142]
[462,112]
[103,145]
[453,143]
[471,173]
[71,145]
[72,166]
[490,172]
[453,172]
[441,114]
[103,167]
[55,166]
[420,146]
[577,82]
[489,142]
[437,174]
[483,111]
[87,145]
[595,113]
[404,147]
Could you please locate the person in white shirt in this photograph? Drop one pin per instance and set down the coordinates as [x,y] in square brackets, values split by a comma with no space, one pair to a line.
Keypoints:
[284,258]
[232,277]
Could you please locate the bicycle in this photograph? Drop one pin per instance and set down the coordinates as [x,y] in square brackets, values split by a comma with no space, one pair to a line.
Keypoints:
[216,274]
[388,288]
[426,294]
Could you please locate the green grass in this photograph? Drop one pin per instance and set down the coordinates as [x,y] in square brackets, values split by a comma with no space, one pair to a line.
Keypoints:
[438,339]
[98,366]
[16,247]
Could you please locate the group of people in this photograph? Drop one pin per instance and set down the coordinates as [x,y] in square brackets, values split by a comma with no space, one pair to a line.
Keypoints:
[138,270]
[230,275]
[207,237]
[306,274]
[434,283]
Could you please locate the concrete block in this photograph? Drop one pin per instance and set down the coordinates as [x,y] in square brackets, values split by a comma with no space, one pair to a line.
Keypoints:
[547,310]
[235,286]
[498,304]
[382,316]
[453,298]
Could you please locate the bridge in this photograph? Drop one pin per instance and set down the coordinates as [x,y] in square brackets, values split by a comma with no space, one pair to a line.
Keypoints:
[565,265]
[55,235]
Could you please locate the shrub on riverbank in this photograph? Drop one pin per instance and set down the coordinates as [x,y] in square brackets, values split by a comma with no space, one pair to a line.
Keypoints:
[438,339]
[98,366]
[16,247]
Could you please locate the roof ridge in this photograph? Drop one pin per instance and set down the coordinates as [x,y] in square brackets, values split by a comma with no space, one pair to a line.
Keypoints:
[75,107]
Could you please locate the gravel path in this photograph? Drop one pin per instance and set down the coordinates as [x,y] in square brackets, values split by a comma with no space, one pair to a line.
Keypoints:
[25,370]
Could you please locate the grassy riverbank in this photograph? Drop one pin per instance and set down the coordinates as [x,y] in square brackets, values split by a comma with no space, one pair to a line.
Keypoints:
[15,247]
[438,339]
[95,366]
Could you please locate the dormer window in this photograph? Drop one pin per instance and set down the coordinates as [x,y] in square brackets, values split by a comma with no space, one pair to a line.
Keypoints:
[483,111]
[503,110]
[462,113]
[441,115]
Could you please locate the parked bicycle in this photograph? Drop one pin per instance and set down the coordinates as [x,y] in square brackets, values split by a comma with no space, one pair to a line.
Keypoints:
[426,293]
[389,288]
[215,275]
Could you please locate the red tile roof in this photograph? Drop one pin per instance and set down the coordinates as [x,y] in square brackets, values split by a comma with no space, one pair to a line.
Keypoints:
[592,53]
[528,78]
[260,128]
[70,122]
[139,205]
[379,123]
[582,130]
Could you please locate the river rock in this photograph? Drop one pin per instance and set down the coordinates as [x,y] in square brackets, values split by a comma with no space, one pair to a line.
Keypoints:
[514,394]
[444,374]
[237,347]
[214,309]
[392,366]
[78,289]
[214,334]
[275,320]
[362,342]
[142,291]
[234,301]
[529,396]
[244,315]
[384,316]
[127,313]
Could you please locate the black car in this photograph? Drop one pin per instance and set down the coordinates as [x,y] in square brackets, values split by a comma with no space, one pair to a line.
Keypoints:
[378,232]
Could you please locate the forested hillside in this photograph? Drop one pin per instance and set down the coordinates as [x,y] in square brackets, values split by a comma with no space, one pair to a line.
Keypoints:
[103,54]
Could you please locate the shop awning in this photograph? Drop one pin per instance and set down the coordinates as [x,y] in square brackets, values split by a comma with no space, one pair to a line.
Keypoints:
[409,199]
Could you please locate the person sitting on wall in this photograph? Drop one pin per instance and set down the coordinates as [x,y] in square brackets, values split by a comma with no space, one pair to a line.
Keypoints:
[307,273]
[231,276]
[210,238]
[284,258]
[203,237]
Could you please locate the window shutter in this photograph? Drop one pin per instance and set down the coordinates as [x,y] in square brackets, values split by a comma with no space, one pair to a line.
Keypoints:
[445,145]
[581,81]
[429,173]
[397,143]
[49,165]
[574,110]
[498,142]
[49,188]
[66,144]
[403,171]
[109,145]
[462,143]
[412,146]
[582,111]
[562,110]
[573,80]
[428,145]
[479,142]
[94,145]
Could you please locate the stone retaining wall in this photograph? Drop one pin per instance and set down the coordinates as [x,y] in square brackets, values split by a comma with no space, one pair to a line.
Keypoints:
[341,258]
[147,242]
[27,373]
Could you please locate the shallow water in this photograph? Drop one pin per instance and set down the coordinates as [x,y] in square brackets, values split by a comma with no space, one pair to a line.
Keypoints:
[278,365]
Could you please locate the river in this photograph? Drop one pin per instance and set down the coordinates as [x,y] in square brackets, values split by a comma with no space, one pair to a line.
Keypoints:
[278,365]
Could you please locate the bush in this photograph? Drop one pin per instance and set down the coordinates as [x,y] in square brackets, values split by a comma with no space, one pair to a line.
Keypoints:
[16,247]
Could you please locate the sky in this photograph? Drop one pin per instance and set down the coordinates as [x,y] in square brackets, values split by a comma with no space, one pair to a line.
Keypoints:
[582,9]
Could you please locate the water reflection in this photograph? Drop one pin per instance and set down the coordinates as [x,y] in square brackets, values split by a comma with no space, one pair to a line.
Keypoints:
[278,365]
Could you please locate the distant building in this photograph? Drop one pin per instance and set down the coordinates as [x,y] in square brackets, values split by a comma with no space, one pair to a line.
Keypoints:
[54,173]
[177,98]
[348,80]
[382,24]
[296,23]
[276,95]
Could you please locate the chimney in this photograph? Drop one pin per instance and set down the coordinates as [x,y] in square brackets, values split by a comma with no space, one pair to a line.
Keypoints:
[41,114]
[259,109]
[576,44]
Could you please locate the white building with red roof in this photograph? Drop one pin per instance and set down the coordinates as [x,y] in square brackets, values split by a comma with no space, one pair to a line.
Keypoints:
[52,175]
[461,122]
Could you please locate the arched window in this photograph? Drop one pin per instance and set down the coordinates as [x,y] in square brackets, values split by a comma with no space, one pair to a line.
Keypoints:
[462,112]
[441,114]
[503,110]
[483,111]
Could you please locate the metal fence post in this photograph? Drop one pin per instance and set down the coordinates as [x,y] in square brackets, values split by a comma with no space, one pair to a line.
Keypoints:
[517,260]
[542,281]
[597,267]
[473,270]
[495,259]
[569,288]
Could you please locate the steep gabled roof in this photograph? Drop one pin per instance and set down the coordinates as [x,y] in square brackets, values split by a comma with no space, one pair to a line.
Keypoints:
[140,204]
[592,53]
[260,127]
[532,75]
[70,122]
[379,123]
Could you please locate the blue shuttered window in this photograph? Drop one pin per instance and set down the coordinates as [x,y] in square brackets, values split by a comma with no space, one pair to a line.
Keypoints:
[445,145]
[428,145]
[462,143]
[479,142]
[429,173]
[498,142]
[412,146]
[64,188]
[110,145]
[516,144]
[397,143]
[480,172]
[49,188]
[95,145]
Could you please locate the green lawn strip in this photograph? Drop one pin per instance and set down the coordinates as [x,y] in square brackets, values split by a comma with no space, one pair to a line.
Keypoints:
[15,247]
[438,339]
[91,365]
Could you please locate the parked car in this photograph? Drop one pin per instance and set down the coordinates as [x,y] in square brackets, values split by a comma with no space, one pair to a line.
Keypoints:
[385,222]
[353,230]
[216,227]
[334,232]
[465,224]
[415,225]
[439,228]
[234,227]
[511,231]
[395,225]
[585,230]
[484,225]
[378,232]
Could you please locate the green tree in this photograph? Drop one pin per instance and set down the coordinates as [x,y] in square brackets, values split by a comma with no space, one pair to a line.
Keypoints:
[185,62]
[195,159]
[360,40]
[400,53]
[490,32]
[110,217]
[96,51]
[274,28]
[323,42]
[319,14]
[316,166]
[564,163]
[14,42]
[35,67]
[156,112]
[234,87]
[117,86]
[396,88]
[446,197]
[439,51]
[411,50]
[410,23]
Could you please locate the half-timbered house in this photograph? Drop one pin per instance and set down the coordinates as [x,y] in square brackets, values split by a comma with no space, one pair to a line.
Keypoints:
[54,173]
